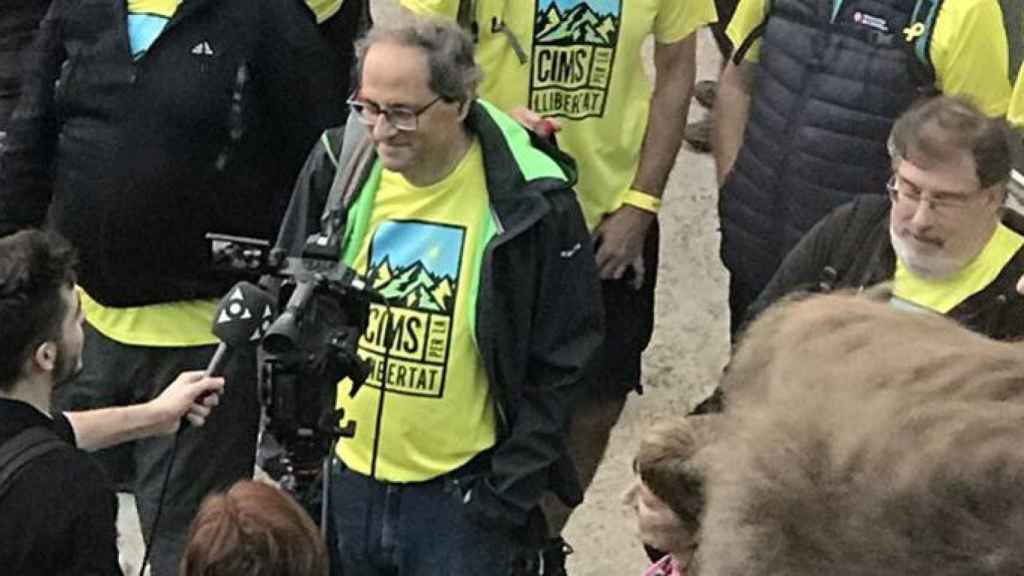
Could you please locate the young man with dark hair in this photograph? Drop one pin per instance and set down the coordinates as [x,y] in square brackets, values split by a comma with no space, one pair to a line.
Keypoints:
[57,510]
[144,125]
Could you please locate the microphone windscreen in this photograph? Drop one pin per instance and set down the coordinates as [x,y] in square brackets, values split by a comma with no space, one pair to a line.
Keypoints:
[244,315]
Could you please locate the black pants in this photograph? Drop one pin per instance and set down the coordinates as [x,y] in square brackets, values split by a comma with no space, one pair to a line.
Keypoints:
[629,323]
[208,458]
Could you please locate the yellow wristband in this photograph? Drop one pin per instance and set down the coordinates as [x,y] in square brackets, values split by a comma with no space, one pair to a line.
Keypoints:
[642,200]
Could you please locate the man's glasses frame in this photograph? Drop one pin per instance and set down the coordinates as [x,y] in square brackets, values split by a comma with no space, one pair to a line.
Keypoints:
[402,119]
[942,203]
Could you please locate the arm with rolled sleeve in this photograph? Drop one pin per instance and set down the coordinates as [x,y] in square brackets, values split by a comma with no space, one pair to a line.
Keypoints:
[26,174]
[567,329]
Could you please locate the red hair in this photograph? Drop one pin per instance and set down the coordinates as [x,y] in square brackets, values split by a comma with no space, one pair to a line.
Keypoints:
[253,529]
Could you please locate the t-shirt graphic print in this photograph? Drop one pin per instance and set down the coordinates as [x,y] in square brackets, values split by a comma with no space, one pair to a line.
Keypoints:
[574,47]
[421,287]
[426,407]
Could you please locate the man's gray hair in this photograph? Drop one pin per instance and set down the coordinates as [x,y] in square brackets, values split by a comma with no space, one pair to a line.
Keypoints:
[454,74]
[935,129]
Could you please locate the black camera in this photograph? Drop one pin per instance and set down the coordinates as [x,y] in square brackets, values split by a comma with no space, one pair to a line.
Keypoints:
[306,350]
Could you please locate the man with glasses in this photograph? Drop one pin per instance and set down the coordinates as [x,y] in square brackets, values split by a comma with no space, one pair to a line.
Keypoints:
[942,237]
[471,232]
[806,101]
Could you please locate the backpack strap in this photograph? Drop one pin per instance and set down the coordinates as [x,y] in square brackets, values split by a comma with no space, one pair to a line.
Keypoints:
[21,450]
[353,161]
[854,250]
[739,53]
[465,15]
[918,34]
[1013,21]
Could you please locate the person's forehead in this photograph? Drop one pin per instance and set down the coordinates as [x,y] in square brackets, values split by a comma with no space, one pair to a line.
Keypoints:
[392,65]
[955,173]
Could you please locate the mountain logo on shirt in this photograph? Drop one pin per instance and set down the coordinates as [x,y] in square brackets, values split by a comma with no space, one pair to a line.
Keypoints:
[415,266]
[574,43]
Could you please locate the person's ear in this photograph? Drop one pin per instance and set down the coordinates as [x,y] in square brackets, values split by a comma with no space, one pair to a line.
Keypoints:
[45,356]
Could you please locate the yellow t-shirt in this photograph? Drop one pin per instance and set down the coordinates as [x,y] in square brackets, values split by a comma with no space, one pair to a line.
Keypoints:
[968,49]
[943,295]
[426,408]
[324,9]
[581,62]
[1016,112]
[175,324]
[146,21]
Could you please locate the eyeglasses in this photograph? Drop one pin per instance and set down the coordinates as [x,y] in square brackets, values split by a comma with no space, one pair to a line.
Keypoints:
[402,119]
[942,203]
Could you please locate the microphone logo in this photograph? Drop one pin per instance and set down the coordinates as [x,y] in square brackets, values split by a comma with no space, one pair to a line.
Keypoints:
[237,311]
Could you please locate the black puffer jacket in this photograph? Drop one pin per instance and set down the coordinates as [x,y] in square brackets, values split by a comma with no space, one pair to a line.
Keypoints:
[826,93]
[137,160]
[18,22]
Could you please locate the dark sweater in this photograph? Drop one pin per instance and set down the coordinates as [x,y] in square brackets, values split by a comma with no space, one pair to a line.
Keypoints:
[59,516]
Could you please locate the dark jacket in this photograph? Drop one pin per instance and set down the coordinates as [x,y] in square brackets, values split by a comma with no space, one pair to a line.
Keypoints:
[539,312]
[137,160]
[18,22]
[850,248]
[826,93]
[59,516]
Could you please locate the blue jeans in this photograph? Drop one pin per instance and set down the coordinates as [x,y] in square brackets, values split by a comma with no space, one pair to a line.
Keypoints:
[418,529]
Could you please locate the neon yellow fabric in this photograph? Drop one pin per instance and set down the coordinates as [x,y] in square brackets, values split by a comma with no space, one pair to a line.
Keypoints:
[944,295]
[422,250]
[968,50]
[165,8]
[174,324]
[1016,112]
[582,63]
[324,9]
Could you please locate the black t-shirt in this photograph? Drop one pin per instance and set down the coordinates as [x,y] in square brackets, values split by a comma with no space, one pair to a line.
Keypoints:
[59,516]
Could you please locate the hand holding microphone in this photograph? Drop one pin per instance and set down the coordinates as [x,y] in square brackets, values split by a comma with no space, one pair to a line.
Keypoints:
[241,320]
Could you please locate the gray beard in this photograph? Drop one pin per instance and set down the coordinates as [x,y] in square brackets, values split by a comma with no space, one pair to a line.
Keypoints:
[927,267]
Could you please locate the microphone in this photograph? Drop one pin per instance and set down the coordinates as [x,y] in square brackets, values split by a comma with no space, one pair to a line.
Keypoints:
[243,317]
